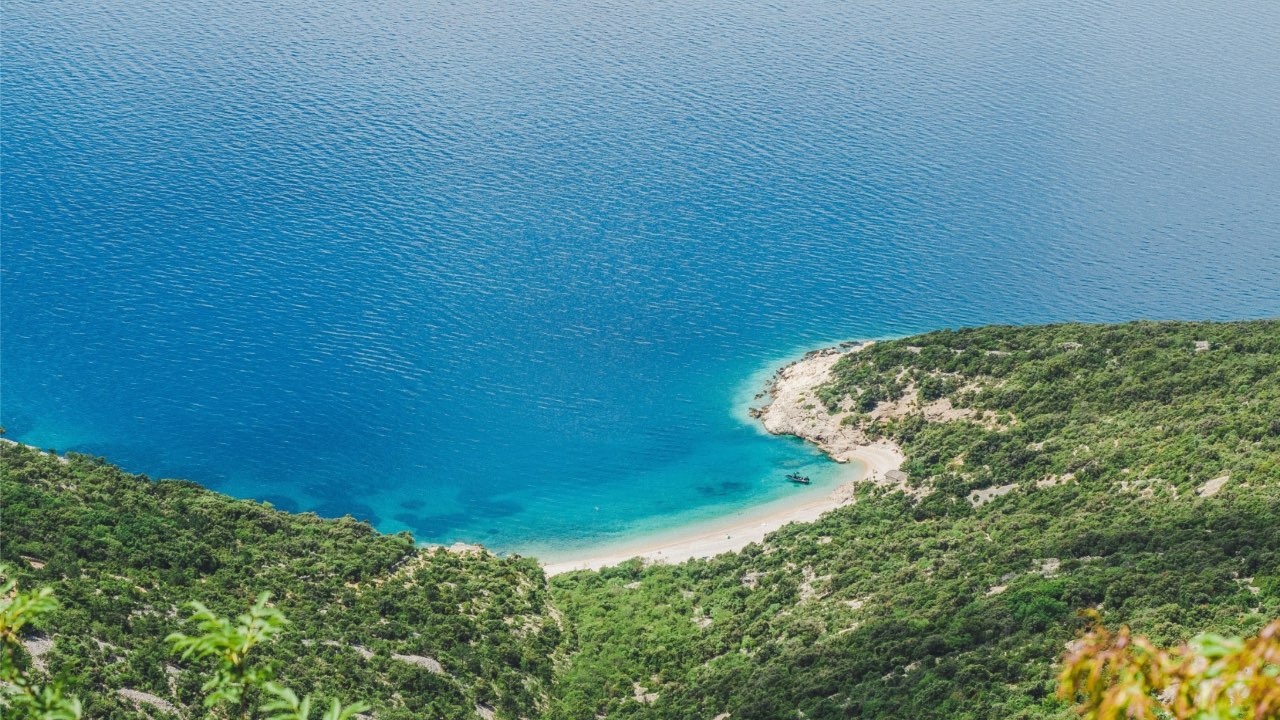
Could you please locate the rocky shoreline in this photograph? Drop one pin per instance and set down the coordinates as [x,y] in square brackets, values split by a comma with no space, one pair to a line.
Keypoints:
[794,409]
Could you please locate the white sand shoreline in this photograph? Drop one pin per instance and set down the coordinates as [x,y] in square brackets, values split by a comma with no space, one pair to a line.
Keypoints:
[786,414]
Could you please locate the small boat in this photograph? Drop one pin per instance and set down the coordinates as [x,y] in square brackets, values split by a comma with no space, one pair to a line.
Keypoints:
[798,478]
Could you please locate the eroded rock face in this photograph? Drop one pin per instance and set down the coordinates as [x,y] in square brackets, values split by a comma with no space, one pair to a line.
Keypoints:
[37,648]
[795,409]
[431,664]
[139,697]
[1213,487]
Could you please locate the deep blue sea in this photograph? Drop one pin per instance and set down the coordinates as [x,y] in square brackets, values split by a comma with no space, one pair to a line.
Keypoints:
[503,271]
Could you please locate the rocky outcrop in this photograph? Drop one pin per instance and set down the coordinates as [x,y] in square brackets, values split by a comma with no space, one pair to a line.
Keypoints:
[796,410]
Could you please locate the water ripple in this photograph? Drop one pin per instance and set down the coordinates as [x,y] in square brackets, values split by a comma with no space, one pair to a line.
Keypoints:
[496,271]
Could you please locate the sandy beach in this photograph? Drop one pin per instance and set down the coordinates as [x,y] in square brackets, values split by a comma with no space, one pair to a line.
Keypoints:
[789,412]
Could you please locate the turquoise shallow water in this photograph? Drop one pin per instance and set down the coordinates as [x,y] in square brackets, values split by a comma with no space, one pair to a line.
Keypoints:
[498,272]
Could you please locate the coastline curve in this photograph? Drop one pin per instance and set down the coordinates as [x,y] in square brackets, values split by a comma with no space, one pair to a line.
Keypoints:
[788,412]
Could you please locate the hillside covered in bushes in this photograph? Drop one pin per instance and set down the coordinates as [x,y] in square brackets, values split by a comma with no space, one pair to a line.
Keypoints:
[415,633]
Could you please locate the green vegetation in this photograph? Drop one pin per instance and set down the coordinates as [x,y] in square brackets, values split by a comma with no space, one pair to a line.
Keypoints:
[19,694]
[899,607]
[1123,677]
[124,555]
[235,681]
[1138,474]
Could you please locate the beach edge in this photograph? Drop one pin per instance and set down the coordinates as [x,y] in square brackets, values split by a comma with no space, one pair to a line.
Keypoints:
[788,412]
